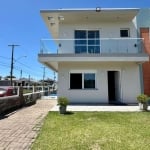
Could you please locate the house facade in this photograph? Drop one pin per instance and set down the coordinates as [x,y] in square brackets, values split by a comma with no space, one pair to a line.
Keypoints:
[96,52]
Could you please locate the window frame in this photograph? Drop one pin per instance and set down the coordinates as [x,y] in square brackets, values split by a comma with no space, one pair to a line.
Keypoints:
[128,31]
[87,44]
[84,84]
[83,73]
[76,87]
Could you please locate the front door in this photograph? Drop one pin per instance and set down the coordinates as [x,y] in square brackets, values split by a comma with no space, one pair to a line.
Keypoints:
[113,86]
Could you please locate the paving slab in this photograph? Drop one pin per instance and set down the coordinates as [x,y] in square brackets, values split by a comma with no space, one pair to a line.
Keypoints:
[19,128]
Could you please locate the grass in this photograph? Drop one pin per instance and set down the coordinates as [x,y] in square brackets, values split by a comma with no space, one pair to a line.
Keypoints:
[95,131]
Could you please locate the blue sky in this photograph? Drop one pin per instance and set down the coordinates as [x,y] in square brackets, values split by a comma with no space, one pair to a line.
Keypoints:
[21,23]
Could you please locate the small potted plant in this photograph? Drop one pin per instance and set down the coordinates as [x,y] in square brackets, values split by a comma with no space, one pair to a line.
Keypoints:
[143,101]
[62,102]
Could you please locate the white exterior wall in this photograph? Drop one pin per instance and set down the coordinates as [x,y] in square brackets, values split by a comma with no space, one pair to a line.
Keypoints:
[107,30]
[129,72]
[129,81]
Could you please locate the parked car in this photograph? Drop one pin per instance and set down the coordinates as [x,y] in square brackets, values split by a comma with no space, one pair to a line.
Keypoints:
[7,91]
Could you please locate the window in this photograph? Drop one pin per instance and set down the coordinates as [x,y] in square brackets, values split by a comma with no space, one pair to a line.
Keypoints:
[93,42]
[89,80]
[87,41]
[80,41]
[82,81]
[75,81]
[124,33]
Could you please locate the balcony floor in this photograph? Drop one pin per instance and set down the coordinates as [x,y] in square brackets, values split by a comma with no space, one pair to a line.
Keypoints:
[52,60]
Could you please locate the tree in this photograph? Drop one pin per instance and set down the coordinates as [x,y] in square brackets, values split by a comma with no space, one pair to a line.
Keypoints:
[8,77]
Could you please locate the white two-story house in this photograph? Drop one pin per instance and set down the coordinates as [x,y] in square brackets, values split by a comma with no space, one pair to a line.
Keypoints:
[96,52]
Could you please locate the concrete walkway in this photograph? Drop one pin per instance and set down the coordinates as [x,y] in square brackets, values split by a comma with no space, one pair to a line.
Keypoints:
[19,129]
[100,108]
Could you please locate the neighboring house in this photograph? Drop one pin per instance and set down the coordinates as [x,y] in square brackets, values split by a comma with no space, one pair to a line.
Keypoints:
[4,82]
[96,52]
[19,82]
[143,24]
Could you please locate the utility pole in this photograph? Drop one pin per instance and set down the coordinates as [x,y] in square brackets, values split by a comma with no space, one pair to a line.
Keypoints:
[54,76]
[43,81]
[12,62]
[20,73]
[43,75]
[29,80]
[54,81]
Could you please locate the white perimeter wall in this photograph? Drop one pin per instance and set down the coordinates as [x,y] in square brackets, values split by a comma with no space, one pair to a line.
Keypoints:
[129,79]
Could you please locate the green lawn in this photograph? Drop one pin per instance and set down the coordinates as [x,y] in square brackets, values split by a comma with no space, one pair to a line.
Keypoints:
[95,131]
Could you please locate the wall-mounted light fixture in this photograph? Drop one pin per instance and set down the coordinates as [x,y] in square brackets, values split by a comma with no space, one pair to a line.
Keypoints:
[61,18]
[98,9]
[52,23]
[51,19]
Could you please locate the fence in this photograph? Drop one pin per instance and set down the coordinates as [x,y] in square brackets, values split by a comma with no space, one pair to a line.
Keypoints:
[25,96]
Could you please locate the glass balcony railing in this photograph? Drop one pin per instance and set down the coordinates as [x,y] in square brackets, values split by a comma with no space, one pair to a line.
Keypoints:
[91,46]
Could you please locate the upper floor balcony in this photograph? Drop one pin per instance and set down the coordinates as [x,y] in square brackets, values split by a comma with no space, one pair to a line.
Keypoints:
[92,46]
[91,50]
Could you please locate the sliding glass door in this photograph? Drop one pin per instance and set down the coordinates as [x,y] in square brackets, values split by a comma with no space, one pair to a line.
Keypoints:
[87,41]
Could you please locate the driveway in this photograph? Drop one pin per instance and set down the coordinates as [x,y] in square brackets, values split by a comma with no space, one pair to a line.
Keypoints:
[19,129]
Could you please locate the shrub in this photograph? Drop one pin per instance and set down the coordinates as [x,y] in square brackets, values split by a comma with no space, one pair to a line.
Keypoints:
[142,98]
[63,101]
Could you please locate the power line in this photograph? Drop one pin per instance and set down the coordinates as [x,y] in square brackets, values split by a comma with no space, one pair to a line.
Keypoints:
[26,66]
[25,70]
[29,68]
[3,64]
[4,57]
[18,68]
